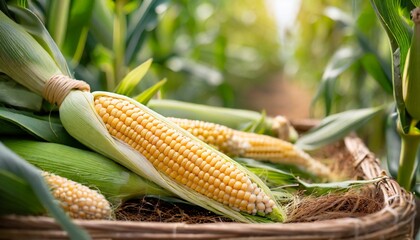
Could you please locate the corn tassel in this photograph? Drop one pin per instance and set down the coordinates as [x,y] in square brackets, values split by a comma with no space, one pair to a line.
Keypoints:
[251,145]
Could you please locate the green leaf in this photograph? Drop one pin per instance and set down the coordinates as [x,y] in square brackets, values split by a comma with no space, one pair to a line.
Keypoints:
[145,17]
[77,29]
[17,197]
[57,19]
[340,62]
[335,127]
[256,127]
[102,23]
[145,96]
[16,95]
[393,144]
[133,78]
[45,129]
[12,163]
[373,66]
[325,188]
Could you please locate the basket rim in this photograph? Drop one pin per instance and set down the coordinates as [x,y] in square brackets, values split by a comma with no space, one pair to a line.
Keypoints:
[395,219]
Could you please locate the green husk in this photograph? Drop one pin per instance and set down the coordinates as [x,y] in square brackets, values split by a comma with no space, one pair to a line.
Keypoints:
[239,119]
[411,74]
[114,181]
[22,58]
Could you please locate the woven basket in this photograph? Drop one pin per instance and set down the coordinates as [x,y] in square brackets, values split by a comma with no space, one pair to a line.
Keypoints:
[394,221]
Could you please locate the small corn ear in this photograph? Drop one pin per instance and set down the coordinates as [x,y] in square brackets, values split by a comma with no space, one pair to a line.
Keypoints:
[251,145]
[78,200]
[91,169]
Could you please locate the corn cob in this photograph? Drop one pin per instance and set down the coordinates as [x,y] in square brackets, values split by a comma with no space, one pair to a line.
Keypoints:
[181,157]
[77,200]
[251,145]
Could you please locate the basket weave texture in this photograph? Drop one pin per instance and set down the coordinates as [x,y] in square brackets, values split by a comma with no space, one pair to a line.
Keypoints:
[394,221]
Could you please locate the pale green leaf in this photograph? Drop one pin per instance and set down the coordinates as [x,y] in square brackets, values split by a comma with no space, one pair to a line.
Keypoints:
[340,62]
[144,18]
[16,95]
[373,66]
[145,96]
[132,79]
[335,127]
[77,28]
[45,129]
[57,19]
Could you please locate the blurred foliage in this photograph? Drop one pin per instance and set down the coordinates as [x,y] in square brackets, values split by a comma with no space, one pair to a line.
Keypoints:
[343,53]
[210,51]
[327,27]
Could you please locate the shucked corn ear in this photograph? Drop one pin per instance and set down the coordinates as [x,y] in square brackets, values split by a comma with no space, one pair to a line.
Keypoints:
[184,160]
[251,145]
[173,158]
[38,72]
[91,169]
[77,200]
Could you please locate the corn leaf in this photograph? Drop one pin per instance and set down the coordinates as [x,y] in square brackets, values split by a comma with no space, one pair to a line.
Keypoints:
[77,28]
[325,188]
[133,78]
[145,96]
[373,66]
[393,144]
[335,127]
[12,163]
[144,18]
[342,59]
[57,18]
[256,127]
[101,23]
[11,93]
[399,34]
[9,129]
[45,129]
[17,197]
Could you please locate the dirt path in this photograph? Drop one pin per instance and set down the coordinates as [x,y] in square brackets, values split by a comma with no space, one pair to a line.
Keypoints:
[281,97]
